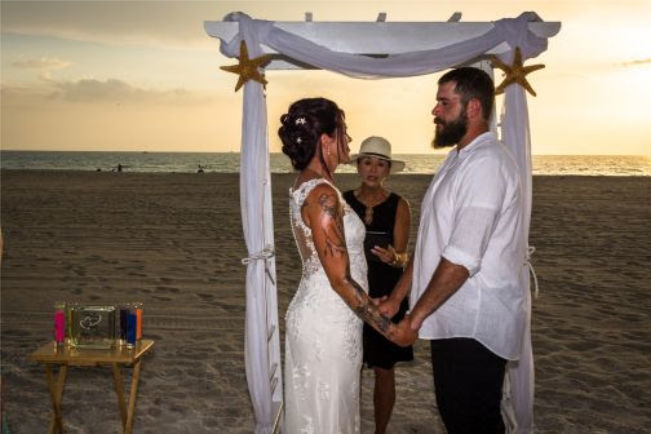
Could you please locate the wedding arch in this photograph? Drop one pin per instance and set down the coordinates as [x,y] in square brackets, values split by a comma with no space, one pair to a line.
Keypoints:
[367,50]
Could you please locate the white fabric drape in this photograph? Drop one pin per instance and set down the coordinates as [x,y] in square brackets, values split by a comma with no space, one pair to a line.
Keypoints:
[521,372]
[255,185]
[516,136]
[257,223]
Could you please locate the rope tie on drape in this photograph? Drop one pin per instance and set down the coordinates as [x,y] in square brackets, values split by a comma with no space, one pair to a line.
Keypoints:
[264,254]
[530,251]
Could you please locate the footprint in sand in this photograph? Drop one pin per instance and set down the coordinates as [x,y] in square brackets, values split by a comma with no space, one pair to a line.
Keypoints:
[161,298]
[168,289]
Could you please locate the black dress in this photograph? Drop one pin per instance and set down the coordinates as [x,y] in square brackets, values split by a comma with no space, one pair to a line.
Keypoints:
[382,278]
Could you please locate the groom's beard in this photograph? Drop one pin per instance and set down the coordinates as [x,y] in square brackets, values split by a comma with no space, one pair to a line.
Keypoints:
[450,133]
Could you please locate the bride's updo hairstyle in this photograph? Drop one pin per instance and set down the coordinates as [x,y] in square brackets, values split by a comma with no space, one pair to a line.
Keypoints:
[302,126]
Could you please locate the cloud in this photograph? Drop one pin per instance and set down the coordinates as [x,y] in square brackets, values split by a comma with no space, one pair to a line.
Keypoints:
[21,95]
[42,63]
[118,91]
[169,24]
[99,92]
[636,62]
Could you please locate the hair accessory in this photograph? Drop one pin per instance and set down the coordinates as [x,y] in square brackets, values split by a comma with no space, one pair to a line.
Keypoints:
[299,121]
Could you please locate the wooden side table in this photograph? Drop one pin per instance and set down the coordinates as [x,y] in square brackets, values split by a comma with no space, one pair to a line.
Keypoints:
[66,356]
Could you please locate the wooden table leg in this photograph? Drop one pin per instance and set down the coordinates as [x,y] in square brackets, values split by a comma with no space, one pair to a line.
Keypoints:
[56,393]
[119,390]
[132,396]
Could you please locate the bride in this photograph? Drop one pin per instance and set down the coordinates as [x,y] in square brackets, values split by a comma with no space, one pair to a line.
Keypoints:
[323,334]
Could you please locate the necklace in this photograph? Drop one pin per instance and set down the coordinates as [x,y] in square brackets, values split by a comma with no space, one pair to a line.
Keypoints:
[368,212]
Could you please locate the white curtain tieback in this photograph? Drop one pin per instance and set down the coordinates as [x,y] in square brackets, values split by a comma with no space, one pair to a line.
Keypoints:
[265,254]
[527,262]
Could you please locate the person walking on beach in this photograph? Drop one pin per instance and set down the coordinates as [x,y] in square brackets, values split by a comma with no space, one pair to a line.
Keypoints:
[465,271]
[386,217]
[323,334]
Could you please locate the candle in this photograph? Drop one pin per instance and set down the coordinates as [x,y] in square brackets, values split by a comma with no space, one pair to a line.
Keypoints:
[59,323]
[131,328]
[138,309]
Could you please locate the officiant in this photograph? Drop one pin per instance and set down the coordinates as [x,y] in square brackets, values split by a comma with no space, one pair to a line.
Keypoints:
[386,216]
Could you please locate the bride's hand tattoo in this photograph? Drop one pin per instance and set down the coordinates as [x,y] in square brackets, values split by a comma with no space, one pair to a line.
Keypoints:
[368,311]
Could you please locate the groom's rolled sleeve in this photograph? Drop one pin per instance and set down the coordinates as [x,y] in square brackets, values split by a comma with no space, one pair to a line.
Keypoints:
[470,238]
[478,208]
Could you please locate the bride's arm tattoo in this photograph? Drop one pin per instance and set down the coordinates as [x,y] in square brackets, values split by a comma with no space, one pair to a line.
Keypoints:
[335,239]
[332,227]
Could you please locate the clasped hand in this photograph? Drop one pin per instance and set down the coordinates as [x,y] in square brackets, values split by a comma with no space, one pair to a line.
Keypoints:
[404,335]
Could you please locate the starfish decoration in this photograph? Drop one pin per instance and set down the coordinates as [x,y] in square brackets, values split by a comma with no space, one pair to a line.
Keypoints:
[515,73]
[247,69]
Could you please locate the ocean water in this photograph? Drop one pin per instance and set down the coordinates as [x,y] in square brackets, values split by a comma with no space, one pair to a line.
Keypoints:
[602,165]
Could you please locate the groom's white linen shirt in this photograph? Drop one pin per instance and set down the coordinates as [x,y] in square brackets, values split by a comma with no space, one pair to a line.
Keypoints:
[472,216]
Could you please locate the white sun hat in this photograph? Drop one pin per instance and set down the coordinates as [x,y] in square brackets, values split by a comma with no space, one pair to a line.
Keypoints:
[378,147]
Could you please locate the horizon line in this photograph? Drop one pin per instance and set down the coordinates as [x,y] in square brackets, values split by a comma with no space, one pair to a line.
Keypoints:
[280,153]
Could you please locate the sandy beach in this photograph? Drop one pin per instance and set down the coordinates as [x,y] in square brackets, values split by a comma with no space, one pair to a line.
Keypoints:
[174,242]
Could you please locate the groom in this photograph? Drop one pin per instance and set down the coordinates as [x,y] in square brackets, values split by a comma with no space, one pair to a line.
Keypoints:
[464,274]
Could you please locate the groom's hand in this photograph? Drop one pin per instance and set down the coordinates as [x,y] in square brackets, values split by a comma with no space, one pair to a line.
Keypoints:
[404,335]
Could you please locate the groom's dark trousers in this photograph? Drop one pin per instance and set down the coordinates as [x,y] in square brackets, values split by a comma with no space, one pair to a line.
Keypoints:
[468,382]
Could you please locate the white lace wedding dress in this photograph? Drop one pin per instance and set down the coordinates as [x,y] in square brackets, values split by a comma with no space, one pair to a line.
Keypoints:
[323,337]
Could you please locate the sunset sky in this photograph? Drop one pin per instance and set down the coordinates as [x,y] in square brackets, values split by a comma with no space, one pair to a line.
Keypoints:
[144,76]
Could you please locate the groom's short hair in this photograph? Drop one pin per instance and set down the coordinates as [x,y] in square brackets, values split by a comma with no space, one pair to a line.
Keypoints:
[472,83]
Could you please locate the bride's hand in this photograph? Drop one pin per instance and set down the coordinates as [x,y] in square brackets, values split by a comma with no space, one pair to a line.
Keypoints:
[389,307]
[379,300]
